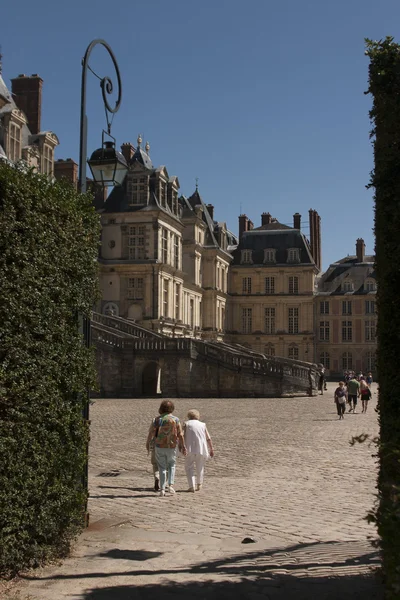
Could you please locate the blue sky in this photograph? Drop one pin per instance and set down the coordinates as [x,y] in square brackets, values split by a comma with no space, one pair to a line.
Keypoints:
[262,100]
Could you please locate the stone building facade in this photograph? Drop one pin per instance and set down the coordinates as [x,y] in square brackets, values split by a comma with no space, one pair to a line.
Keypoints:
[272,286]
[21,137]
[345,307]
[164,261]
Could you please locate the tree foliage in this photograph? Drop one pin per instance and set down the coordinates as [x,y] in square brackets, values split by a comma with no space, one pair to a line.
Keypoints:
[48,276]
[384,87]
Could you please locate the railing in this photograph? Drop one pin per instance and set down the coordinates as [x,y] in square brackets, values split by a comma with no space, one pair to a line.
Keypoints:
[124,326]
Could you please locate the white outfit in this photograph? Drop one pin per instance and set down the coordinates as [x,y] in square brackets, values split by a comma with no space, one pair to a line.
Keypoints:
[196,435]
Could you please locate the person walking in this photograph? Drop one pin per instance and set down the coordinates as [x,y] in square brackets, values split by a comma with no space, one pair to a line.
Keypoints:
[199,447]
[166,430]
[340,399]
[369,379]
[353,391]
[365,395]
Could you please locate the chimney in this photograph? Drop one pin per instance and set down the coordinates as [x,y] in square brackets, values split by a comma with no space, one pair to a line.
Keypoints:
[27,95]
[66,169]
[127,151]
[297,221]
[360,250]
[265,218]
[319,252]
[243,225]
[210,209]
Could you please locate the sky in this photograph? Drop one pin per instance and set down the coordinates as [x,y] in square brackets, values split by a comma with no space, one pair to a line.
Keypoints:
[263,101]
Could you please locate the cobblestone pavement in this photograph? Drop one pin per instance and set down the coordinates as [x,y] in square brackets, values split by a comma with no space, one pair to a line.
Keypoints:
[284,473]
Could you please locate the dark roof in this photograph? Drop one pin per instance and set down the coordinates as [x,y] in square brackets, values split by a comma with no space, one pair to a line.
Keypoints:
[347,269]
[271,227]
[196,200]
[143,158]
[279,239]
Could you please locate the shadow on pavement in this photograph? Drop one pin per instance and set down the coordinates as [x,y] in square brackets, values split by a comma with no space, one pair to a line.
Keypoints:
[130,554]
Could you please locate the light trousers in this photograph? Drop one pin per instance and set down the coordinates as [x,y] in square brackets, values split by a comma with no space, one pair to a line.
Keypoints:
[166,459]
[192,462]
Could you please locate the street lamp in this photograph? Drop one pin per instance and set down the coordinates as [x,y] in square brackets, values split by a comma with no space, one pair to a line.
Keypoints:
[108,167]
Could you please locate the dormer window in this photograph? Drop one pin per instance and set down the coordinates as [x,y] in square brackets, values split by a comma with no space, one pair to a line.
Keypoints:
[269,255]
[47,163]
[14,152]
[137,192]
[246,257]
[293,255]
[370,285]
[347,286]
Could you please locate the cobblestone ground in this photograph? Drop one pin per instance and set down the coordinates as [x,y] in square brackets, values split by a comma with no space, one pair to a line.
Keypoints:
[284,474]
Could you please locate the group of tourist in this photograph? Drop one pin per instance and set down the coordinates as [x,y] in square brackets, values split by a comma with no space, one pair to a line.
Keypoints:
[349,390]
[167,438]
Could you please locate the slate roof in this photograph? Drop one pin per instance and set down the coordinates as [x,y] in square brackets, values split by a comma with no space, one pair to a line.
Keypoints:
[348,268]
[142,157]
[196,200]
[275,236]
[10,106]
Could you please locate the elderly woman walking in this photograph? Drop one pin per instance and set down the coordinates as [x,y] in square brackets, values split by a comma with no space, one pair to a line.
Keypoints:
[166,430]
[199,447]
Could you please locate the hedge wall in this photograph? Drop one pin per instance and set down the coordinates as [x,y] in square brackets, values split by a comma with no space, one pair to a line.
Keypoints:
[384,86]
[48,275]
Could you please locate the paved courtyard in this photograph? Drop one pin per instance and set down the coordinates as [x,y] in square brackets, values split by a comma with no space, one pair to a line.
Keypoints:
[284,474]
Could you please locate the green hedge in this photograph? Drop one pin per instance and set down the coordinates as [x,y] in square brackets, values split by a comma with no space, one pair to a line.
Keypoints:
[384,86]
[48,276]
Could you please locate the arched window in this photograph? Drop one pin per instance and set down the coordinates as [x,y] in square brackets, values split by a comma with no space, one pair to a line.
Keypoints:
[347,361]
[369,361]
[370,285]
[111,309]
[325,359]
[347,286]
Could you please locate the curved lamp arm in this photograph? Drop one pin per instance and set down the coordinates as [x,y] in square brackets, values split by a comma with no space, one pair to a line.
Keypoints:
[106,88]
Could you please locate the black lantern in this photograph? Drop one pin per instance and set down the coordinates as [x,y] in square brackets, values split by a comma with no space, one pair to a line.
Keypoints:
[108,166]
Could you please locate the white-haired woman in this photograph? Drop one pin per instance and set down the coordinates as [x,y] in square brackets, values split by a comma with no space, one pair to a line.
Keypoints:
[199,447]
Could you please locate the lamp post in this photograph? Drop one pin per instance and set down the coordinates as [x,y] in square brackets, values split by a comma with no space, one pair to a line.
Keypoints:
[108,168]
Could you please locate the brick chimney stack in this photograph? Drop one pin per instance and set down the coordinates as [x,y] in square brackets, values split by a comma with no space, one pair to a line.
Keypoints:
[66,169]
[27,95]
[266,218]
[297,221]
[315,237]
[127,151]
[243,225]
[360,250]
[210,209]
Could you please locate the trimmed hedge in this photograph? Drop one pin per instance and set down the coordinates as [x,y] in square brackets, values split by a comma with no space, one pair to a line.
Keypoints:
[384,86]
[48,275]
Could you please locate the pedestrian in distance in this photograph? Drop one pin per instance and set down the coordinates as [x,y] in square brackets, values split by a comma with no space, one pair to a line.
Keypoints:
[166,430]
[353,392]
[321,378]
[199,448]
[340,399]
[365,394]
[369,379]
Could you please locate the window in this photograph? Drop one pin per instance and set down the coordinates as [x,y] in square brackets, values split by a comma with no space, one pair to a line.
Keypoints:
[136,243]
[293,285]
[324,331]
[370,307]
[370,361]
[293,352]
[218,279]
[177,300]
[246,285]
[135,288]
[269,255]
[293,255]
[370,285]
[347,286]
[247,320]
[176,252]
[15,142]
[247,256]
[347,361]
[346,307]
[269,316]
[370,327]
[293,320]
[269,350]
[47,166]
[347,331]
[222,317]
[164,245]
[165,297]
[325,360]
[270,285]
[191,312]
[324,308]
